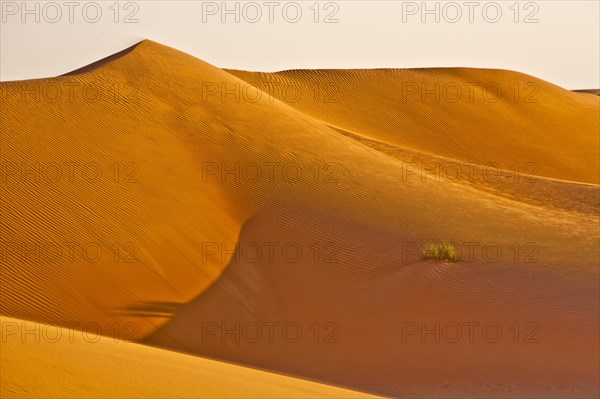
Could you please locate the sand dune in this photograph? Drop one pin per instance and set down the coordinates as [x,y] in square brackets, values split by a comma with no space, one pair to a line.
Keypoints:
[180,145]
[69,364]
[472,115]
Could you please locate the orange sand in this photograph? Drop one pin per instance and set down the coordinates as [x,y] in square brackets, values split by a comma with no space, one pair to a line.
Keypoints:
[171,135]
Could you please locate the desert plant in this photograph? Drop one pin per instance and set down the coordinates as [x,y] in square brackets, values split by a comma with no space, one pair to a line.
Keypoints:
[436,251]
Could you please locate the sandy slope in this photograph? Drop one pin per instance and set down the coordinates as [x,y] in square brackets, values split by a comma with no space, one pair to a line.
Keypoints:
[361,209]
[69,364]
[365,304]
[472,115]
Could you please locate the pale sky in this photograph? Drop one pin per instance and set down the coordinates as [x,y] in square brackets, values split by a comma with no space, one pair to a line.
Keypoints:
[555,40]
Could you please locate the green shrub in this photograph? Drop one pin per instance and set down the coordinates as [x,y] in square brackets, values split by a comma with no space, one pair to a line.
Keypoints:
[444,251]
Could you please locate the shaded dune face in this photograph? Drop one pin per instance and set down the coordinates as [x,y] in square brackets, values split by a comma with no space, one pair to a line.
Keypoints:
[595,92]
[187,200]
[380,320]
